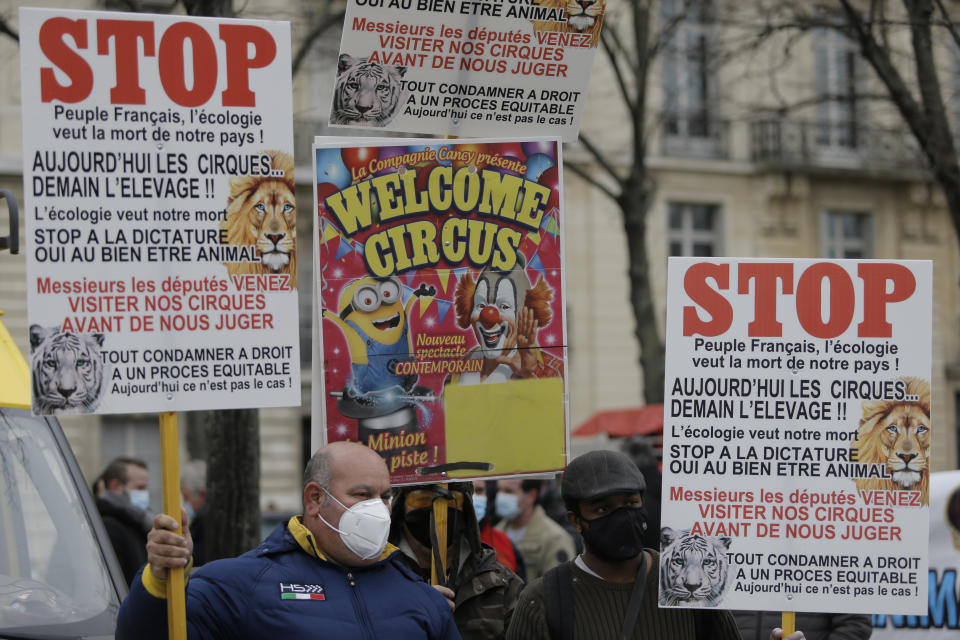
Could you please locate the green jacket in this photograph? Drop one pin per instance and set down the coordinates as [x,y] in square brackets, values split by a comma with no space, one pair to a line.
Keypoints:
[486,594]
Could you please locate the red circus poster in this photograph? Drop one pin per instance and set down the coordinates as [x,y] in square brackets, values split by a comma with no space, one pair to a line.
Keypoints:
[440,287]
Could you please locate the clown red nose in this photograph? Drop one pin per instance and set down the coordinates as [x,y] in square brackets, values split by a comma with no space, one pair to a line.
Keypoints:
[489,316]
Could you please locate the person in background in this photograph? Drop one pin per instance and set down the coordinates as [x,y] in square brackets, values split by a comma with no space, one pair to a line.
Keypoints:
[484,494]
[610,591]
[543,543]
[193,487]
[552,504]
[642,454]
[123,503]
[482,591]
[327,573]
[816,626]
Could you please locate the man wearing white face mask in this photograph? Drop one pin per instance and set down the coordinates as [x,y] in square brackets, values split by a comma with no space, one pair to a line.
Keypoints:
[124,506]
[543,543]
[326,574]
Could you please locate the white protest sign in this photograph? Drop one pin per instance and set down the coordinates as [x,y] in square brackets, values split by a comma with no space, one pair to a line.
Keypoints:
[466,68]
[160,212]
[797,435]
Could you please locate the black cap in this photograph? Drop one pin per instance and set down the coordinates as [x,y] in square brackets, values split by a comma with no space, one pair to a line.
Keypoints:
[601,473]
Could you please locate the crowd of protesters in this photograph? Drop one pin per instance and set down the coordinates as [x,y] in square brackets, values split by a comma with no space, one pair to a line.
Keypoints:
[572,558]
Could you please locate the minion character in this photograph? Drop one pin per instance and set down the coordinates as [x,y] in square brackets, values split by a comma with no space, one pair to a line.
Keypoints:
[375,324]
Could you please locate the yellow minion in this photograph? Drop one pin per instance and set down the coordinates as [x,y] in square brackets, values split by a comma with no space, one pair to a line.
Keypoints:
[375,323]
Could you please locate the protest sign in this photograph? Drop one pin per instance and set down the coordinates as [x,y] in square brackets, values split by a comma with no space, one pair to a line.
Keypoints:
[440,282]
[942,619]
[466,68]
[797,435]
[161,236]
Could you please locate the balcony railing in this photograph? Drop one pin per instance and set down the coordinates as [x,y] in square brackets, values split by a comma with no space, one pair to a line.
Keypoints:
[694,135]
[810,145]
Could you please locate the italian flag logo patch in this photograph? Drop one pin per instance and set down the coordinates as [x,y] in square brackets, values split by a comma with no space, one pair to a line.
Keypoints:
[301,592]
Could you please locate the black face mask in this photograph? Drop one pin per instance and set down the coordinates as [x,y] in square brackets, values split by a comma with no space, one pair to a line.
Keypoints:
[418,523]
[616,536]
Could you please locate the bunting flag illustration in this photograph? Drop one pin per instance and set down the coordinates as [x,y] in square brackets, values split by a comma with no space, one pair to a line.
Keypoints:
[444,276]
[344,248]
[537,265]
[425,304]
[442,307]
[329,232]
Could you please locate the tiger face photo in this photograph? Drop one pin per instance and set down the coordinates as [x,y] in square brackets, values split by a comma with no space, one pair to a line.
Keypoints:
[367,94]
[262,212]
[693,569]
[896,435]
[67,371]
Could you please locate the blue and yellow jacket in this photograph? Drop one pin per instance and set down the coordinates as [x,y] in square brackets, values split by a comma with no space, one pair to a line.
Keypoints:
[287,589]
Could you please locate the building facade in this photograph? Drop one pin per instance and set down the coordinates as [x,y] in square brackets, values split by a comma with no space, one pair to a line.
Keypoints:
[767,152]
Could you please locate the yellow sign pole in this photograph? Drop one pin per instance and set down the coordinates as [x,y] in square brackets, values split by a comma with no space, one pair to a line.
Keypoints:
[789,622]
[170,464]
[438,575]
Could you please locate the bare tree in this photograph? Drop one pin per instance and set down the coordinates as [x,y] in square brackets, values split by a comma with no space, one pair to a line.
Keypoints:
[630,47]
[900,42]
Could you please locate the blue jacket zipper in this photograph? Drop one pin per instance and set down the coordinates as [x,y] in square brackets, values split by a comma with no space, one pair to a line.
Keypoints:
[359,608]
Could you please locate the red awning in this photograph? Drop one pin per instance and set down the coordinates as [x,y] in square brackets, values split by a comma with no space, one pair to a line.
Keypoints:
[635,421]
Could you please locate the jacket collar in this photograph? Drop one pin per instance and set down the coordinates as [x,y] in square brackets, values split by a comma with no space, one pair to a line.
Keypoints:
[293,535]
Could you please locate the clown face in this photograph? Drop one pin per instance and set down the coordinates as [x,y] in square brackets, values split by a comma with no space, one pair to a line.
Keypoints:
[494,315]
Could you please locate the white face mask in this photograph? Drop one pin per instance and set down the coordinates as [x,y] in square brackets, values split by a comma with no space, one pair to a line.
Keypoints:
[507,505]
[480,506]
[140,498]
[364,527]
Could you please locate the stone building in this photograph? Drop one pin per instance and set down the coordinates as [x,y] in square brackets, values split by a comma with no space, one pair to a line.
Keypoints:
[740,170]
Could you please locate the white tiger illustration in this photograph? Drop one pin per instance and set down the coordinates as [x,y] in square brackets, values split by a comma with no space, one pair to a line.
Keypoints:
[693,569]
[366,93]
[68,370]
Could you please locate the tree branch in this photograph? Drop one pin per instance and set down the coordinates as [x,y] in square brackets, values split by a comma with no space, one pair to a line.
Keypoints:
[622,50]
[325,22]
[940,147]
[948,23]
[879,59]
[593,182]
[5,28]
[615,65]
[601,160]
[638,112]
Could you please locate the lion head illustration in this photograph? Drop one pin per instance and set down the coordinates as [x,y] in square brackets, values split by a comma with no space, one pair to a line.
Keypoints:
[583,16]
[262,212]
[896,434]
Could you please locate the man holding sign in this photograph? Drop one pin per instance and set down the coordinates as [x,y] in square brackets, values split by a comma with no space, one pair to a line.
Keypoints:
[329,571]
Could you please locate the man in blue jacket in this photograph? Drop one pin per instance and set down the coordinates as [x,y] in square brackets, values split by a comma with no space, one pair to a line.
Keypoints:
[326,574]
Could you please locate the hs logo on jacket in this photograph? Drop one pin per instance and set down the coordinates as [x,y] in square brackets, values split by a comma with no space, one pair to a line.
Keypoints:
[301,592]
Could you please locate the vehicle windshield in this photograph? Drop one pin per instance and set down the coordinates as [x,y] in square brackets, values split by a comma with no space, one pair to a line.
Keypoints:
[53,578]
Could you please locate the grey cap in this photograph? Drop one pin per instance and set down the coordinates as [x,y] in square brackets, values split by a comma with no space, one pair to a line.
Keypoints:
[601,473]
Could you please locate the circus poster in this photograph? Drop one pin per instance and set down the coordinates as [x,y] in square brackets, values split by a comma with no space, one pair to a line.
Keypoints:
[439,273]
